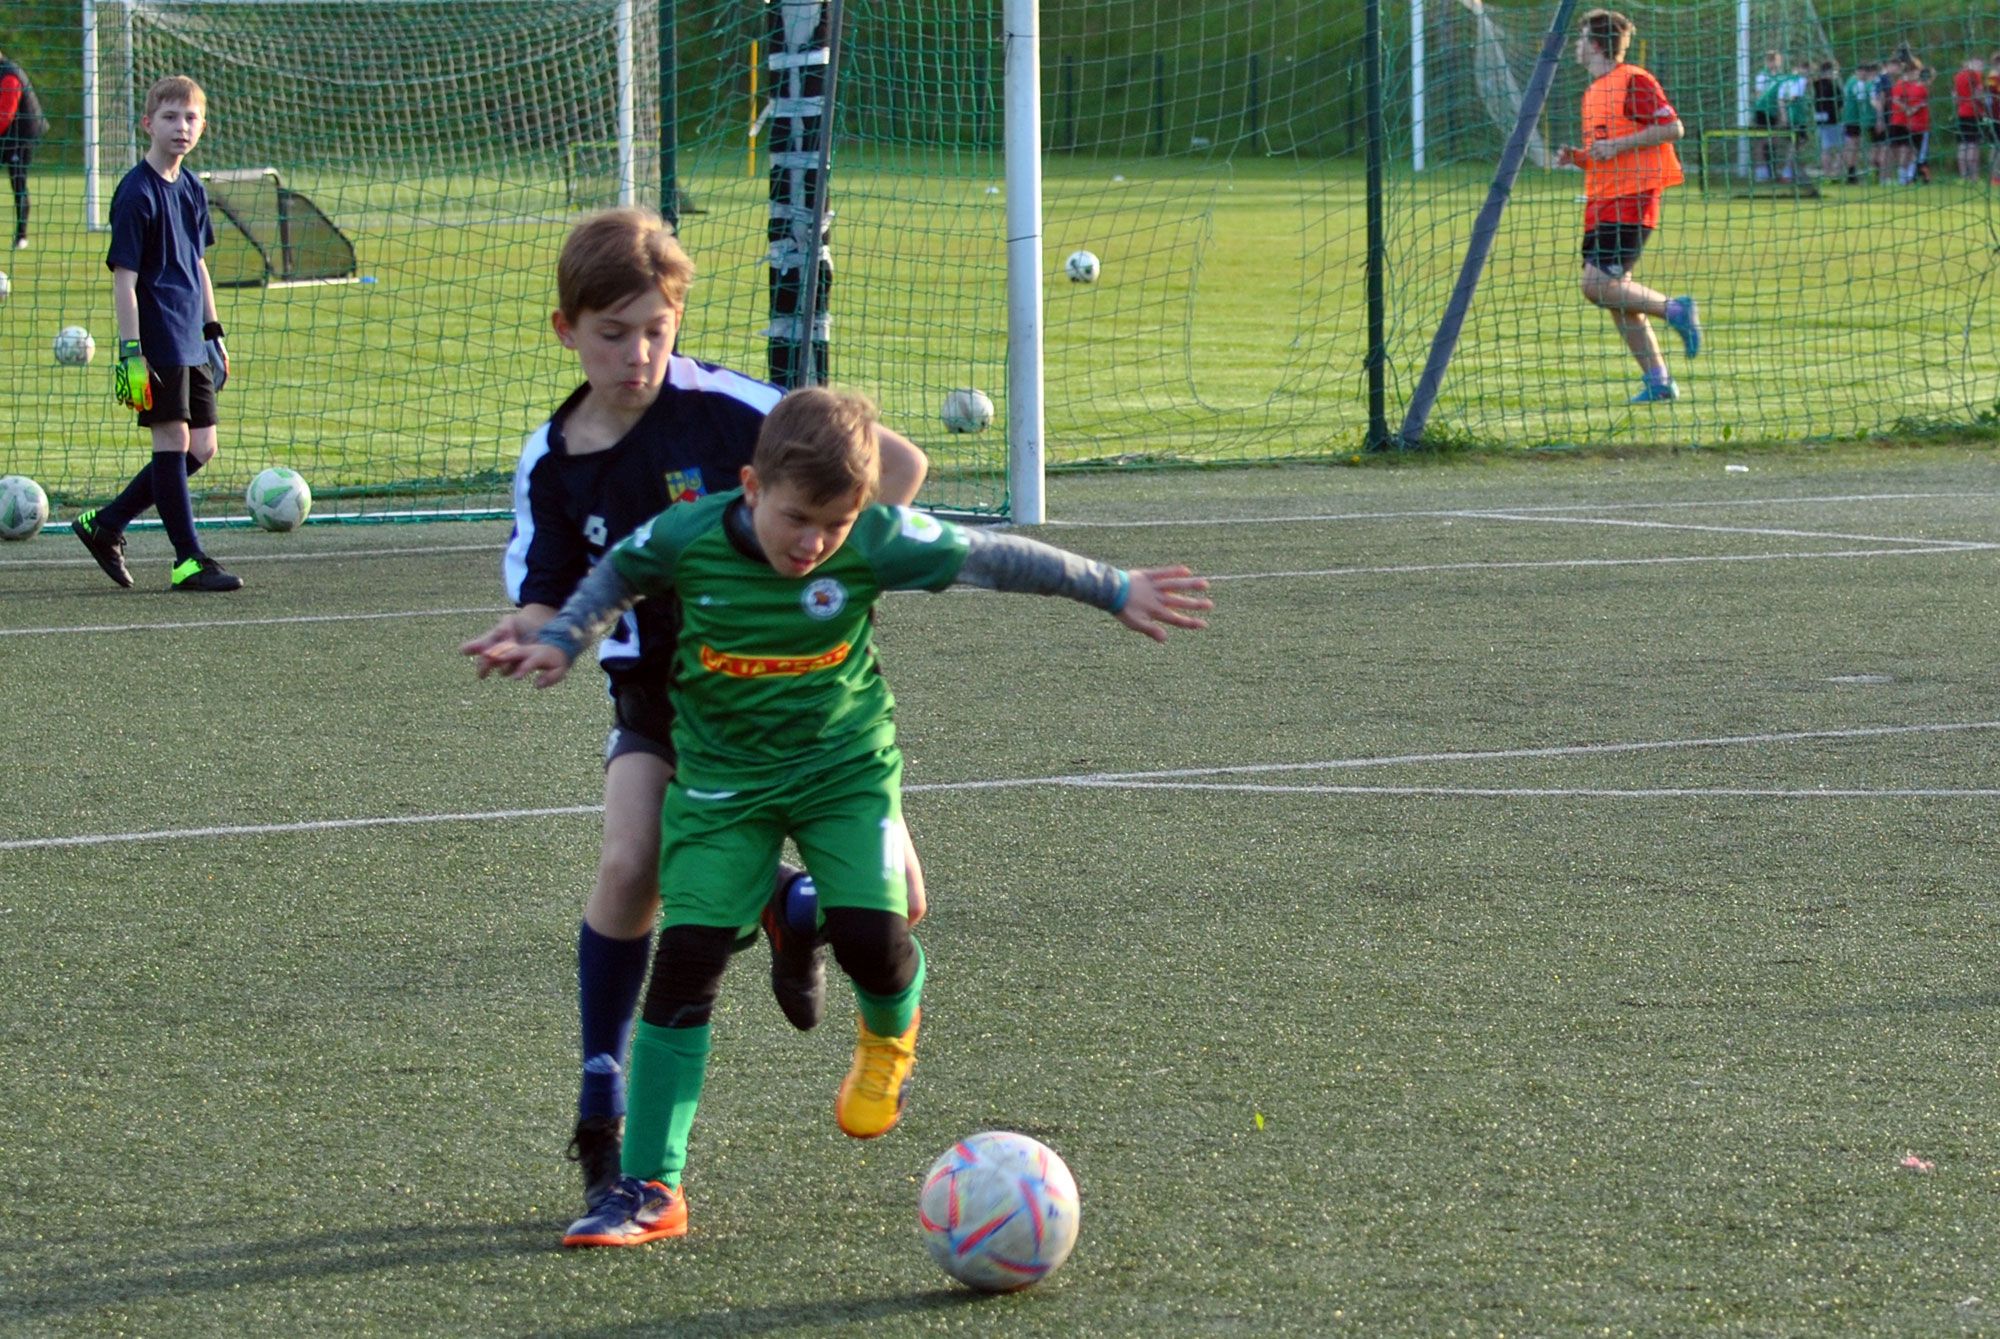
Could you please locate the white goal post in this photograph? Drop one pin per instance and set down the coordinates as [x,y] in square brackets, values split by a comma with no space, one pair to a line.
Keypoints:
[114,84]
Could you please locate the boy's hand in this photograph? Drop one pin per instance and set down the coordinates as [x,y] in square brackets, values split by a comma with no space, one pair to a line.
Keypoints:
[1568,156]
[508,635]
[546,664]
[130,381]
[1158,596]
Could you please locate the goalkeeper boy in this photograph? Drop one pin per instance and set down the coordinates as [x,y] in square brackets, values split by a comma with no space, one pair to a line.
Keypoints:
[784,728]
[1628,158]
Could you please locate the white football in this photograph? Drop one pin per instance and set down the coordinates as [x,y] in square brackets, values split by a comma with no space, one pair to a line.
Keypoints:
[279,499]
[1081,267]
[74,346]
[5,287]
[967,411]
[23,507]
[999,1211]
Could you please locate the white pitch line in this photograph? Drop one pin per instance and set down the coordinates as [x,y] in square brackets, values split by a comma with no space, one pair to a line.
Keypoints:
[237,559]
[1544,519]
[250,622]
[1387,569]
[1524,564]
[314,825]
[1482,755]
[1558,792]
[1164,779]
[1548,507]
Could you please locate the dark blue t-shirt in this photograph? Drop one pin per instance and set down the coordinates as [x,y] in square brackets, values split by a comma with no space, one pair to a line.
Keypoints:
[159,230]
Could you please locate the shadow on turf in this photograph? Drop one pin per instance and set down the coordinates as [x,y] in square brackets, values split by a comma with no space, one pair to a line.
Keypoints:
[225,1266]
[804,1317]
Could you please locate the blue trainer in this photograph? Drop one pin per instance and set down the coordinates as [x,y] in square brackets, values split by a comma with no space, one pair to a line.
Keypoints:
[1687,325]
[1656,392]
[631,1213]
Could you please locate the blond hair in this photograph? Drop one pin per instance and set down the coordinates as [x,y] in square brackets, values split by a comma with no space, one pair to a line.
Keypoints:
[822,442]
[175,88]
[612,256]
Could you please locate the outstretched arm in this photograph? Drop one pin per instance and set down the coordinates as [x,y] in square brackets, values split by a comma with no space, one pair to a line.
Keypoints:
[1149,600]
[599,600]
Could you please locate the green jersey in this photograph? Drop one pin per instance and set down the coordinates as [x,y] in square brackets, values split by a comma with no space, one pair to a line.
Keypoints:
[1855,109]
[775,675]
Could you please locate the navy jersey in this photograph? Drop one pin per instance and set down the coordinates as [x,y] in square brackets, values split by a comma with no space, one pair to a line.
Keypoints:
[570,509]
[159,230]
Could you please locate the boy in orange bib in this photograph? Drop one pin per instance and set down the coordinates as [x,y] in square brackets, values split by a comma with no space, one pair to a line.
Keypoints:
[1628,158]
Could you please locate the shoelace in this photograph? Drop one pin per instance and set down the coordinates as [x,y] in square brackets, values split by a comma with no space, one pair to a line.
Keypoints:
[878,1065]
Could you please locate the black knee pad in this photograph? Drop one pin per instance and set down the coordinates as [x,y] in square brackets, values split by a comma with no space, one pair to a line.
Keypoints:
[687,974]
[874,948]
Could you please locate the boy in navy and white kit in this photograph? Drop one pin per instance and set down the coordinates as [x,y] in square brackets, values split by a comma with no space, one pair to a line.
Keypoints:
[171,360]
[649,429]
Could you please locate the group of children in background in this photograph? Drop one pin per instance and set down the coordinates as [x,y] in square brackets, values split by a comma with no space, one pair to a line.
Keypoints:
[1885,103]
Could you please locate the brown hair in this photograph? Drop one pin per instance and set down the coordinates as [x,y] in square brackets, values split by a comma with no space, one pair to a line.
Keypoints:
[822,442]
[612,256]
[175,88]
[1609,31]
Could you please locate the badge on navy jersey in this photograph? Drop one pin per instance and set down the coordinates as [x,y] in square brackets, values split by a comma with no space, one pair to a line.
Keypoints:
[684,485]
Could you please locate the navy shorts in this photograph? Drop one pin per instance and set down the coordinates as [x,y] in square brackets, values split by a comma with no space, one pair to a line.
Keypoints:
[1615,247]
[181,395]
[643,721]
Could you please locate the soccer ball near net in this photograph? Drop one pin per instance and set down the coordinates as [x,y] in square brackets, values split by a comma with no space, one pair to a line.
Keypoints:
[999,1211]
[5,286]
[23,507]
[279,499]
[74,346]
[1081,267]
[967,411]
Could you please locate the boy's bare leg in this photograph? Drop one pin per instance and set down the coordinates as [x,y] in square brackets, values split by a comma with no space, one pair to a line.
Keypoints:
[625,900]
[1629,303]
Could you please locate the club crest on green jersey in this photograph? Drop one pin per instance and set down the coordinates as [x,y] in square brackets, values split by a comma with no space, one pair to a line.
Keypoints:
[824,598]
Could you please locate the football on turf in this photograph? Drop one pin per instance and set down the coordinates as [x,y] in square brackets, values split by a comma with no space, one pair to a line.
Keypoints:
[279,499]
[1081,267]
[23,507]
[998,1211]
[5,286]
[74,346]
[967,411]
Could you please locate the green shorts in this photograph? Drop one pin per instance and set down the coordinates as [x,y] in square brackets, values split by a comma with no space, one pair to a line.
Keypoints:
[719,848]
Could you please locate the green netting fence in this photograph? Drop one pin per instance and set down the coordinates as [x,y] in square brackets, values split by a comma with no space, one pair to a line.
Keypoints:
[1214,156]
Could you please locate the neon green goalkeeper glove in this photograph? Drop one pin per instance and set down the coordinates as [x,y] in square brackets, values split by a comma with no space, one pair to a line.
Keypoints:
[129,381]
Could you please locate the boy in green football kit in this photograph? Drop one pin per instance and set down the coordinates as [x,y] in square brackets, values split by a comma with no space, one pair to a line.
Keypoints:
[784,727]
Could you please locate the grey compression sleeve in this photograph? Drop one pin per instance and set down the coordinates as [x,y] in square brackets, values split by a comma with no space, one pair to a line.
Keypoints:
[1014,563]
[598,601]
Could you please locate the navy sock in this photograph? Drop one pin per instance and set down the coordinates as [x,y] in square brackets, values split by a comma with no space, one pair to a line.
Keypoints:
[609,974]
[170,497]
[116,514]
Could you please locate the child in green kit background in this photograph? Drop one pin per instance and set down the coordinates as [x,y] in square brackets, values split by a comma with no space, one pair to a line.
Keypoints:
[784,727]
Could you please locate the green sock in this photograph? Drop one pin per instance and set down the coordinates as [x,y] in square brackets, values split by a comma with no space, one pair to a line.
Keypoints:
[891,1015]
[664,1088]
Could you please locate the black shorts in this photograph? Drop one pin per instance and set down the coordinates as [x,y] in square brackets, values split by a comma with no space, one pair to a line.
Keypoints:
[181,395]
[643,721]
[1853,132]
[1614,247]
[1763,121]
[1877,135]
[1899,136]
[16,152]
[1968,130]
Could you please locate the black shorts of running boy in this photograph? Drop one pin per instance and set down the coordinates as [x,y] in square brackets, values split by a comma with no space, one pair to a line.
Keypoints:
[1615,247]
[181,395]
[643,721]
